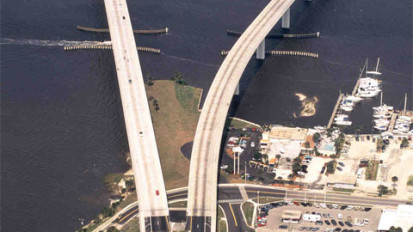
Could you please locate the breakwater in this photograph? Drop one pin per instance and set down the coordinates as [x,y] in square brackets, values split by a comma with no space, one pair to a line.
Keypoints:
[105,30]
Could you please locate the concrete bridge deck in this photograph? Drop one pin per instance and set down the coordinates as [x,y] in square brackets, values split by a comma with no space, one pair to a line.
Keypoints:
[202,193]
[153,205]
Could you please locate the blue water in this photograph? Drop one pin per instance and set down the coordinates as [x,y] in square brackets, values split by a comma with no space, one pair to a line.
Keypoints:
[62,125]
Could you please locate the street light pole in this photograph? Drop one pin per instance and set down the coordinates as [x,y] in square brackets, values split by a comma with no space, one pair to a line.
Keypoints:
[245,172]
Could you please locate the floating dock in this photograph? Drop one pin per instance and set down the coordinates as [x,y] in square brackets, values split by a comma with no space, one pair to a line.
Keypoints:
[330,122]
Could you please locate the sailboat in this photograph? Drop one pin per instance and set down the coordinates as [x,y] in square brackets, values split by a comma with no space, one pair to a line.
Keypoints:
[368,86]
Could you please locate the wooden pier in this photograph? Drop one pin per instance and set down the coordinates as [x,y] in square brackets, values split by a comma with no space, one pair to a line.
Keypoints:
[392,122]
[330,122]
[356,87]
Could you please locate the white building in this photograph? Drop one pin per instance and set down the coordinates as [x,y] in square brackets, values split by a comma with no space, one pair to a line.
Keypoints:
[402,217]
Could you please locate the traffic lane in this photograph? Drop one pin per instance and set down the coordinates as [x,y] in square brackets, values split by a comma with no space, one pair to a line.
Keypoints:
[177,215]
[235,219]
[198,224]
[310,196]
[128,215]
[178,195]
[229,193]
[157,224]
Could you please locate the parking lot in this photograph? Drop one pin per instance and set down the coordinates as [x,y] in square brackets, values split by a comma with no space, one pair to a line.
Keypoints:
[329,219]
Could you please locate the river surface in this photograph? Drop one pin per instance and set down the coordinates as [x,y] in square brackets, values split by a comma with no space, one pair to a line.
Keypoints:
[62,124]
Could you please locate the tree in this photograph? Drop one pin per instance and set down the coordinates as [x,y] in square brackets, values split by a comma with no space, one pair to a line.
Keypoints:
[316,137]
[113,229]
[307,144]
[331,166]
[395,229]
[296,168]
[405,143]
[178,78]
[130,184]
[108,212]
[257,156]
[394,179]
[411,229]
[383,190]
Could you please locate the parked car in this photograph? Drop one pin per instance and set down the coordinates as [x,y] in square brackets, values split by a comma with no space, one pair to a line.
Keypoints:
[327,222]
[348,224]
[252,144]
[319,223]
[343,207]
[341,164]
[334,222]
[340,216]
[283,226]
[340,169]
[341,223]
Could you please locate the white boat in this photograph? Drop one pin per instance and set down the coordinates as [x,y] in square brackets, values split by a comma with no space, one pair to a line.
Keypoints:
[367,93]
[346,108]
[341,118]
[368,82]
[380,127]
[373,72]
[381,122]
[383,108]
[343,123]
[404,118]
[382,116]
[353,98]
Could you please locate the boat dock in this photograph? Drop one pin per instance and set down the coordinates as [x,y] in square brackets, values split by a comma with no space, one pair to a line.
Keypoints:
[392,122]
[356,87]
[330,122]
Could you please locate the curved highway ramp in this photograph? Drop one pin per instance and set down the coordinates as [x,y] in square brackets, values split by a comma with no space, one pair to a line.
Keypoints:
[202,193]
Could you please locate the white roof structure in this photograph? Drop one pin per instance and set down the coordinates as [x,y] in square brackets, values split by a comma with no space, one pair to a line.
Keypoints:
[402,217]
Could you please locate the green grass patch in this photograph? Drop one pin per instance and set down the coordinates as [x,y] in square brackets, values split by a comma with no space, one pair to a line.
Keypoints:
[132,225]
[265,200]
[248,209]
[178,204]
[372,169]
[343,190]
[175,123]
[222,225]
[238,124]
[187,96]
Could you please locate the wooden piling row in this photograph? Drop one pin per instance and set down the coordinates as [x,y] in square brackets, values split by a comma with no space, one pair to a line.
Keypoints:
[293,36]
[107,47]
[292,53]
[105,30]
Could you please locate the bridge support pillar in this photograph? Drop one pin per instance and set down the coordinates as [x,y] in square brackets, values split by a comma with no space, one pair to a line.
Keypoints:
[237,90]
[285,24]
[260,54]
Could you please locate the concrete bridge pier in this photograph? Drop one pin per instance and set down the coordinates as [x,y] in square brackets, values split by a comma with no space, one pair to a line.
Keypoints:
[260,54]
[285,24]
[237,90]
